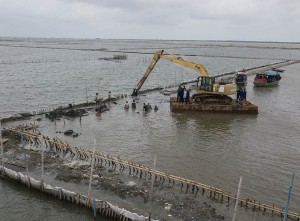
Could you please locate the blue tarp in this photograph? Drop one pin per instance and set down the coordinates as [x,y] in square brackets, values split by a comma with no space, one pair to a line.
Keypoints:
[271,73]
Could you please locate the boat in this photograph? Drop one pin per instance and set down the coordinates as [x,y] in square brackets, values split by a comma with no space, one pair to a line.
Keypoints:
[267,78]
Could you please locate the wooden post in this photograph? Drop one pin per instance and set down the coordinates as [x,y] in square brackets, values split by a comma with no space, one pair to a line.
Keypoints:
[151,190]
[237,199]
[94,208]
[42,149]
[2,151]
[25,157]
[92,167]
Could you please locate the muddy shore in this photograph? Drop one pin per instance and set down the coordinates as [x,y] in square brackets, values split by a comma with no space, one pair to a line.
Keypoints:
[175,204]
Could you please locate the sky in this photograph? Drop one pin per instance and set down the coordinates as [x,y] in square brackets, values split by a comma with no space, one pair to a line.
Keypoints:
[243,20]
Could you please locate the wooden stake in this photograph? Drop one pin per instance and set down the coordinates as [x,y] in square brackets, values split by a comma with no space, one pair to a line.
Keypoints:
[237,199]
[92,167]
[151,190]
[2,151]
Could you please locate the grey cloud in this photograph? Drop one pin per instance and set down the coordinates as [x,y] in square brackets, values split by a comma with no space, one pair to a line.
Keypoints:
[171,19]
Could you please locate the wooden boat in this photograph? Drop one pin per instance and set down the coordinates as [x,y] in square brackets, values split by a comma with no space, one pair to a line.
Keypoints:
[267,78]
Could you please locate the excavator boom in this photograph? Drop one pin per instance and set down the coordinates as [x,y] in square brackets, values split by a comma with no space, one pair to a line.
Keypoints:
[155,59]
[173,58]
[188,64]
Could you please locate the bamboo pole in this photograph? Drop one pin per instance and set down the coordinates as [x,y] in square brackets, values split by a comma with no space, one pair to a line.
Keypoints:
[92,167]
[237,199]
[289,198]
[2,151]
[42,155]
[151,190]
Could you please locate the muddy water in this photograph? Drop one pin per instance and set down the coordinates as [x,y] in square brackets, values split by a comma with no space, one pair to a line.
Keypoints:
[19,203]
[214,149]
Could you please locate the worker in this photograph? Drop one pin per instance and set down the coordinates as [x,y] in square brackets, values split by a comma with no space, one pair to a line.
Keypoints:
[109,95]
[98,111]
[97,100]
[183,96]
[149,106]
[244,95]
[126,105]
[187,98]
[133,104]
[181,99]
[238,94]
[178,93]
[145,107]
[155,108]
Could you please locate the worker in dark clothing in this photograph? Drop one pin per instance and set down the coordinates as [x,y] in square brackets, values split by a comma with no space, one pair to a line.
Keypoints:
[181,99]
[133,105]
[187,99]
[178,93]
[145,107]
[241,94]
[244,95]
[238,95]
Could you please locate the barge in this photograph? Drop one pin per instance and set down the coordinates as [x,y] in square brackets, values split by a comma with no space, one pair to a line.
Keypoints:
[243,107]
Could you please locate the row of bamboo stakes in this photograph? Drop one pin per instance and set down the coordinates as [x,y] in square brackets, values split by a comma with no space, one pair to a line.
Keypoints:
[97,206]
[138,170]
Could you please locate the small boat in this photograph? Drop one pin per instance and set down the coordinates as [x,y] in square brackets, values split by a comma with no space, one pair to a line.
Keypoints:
[267,78]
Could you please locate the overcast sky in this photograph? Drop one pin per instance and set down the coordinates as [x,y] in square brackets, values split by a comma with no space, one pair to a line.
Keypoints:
[254,20]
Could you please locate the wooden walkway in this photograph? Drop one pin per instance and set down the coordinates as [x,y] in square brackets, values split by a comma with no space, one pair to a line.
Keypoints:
[187,185]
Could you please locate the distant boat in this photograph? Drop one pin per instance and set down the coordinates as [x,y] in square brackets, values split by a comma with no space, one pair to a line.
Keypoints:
[267,78]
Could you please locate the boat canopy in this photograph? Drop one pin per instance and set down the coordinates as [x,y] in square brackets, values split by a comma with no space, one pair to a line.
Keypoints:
[271,73]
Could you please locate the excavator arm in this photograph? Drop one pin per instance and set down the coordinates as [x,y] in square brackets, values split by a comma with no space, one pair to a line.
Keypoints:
[173,58]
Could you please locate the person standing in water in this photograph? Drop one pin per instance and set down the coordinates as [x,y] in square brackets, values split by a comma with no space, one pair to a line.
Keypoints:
[126,105]
[97,100]
[133,105]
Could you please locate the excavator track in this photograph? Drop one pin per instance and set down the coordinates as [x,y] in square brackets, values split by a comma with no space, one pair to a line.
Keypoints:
[212,99]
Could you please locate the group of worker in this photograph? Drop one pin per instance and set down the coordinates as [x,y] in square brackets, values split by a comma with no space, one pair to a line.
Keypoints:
[183,94]
[146,107]
[97,99]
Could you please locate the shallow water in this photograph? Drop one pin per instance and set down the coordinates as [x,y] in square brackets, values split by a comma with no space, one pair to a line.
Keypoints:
[20,203]
[215,149]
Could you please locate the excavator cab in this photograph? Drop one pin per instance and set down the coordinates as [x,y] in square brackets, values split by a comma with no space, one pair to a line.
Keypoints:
[206,83]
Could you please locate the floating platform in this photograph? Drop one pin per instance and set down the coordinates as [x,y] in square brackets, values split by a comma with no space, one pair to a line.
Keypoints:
[244,107]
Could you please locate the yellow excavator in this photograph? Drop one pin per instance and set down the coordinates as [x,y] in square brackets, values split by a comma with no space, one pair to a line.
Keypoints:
[207,91]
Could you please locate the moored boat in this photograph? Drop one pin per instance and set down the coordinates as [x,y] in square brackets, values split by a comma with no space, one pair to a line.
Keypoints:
[267,78]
